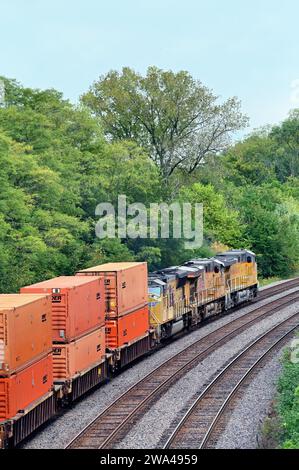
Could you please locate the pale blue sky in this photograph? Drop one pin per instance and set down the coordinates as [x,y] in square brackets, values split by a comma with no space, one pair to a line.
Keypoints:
[247,49]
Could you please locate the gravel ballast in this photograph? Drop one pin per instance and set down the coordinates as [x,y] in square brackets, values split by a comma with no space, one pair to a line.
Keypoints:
[58,433]
[172,405]
[244,426]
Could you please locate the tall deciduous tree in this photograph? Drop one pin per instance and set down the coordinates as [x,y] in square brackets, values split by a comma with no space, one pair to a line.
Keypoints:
[174,117]
[286,137]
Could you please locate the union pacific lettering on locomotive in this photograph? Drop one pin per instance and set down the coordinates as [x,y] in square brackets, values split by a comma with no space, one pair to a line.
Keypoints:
[62,337]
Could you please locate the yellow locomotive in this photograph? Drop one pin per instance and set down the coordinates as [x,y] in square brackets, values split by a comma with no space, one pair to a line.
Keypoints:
[182,296]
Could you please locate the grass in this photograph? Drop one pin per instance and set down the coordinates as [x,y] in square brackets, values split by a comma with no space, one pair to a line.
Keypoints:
[269,280]
[288,400]
[265,281]
[281,427]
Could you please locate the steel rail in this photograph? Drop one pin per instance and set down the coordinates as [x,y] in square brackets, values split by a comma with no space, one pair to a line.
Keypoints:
[117,415]
[274,290]
[203,401]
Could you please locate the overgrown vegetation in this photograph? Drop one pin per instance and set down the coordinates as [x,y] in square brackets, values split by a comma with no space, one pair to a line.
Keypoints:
[281,428]
[288,404]
[163,137]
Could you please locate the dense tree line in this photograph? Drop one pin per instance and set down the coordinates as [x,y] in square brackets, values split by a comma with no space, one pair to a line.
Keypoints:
[162,137]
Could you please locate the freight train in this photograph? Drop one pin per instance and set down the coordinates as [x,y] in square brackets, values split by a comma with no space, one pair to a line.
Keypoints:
[62,337]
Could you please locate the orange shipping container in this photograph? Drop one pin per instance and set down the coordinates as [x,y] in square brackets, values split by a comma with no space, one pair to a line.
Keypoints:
[125,286]
[25,330]
[128,328]
[74,358]
[23,388]
[78,305]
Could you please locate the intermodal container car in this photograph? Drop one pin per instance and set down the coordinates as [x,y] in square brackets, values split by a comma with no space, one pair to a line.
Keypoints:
[78,305]
[125,286]
[20,390]
[25,330]
[73,358]
[127,329]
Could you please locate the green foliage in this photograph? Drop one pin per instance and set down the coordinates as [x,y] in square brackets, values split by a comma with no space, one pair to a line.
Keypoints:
[150,254]
[288,403]
[260,181]
[110,250]
[271,229]
[221,223]
[286,138]
[176,119]
[36,239]
[167,141]
[56,165]
[251,161]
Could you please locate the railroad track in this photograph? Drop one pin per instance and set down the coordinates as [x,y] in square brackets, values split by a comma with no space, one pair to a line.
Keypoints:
[270,291]
[205,420]
[113,423]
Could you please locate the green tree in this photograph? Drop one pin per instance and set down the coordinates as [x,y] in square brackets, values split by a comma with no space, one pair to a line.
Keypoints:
[286,137]
[251,161]
[176,119]
[271,230]
[220,223]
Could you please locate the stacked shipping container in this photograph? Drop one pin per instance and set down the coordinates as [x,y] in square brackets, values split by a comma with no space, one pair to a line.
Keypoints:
[78,328]
[26,369]
[57,332]
[127,319]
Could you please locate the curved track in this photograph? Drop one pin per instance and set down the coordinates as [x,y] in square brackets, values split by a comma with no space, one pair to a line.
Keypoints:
[113,423]
[278,289]
[203,423]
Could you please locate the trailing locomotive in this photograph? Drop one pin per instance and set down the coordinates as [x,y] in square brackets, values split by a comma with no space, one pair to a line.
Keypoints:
[183,296]
[138,312]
